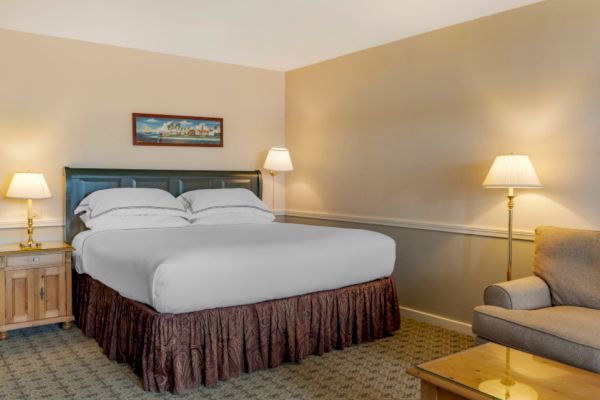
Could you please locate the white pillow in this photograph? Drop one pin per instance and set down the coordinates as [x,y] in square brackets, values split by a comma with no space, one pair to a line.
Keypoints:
[107,222]
[131,208]
[225,206]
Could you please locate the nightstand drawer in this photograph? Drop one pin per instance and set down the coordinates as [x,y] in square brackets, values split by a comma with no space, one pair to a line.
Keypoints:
[32,260]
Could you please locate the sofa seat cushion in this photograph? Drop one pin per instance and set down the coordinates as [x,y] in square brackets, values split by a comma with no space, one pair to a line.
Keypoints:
[567,334]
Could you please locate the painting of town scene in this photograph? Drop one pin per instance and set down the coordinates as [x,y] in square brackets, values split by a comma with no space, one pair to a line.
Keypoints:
[172,130]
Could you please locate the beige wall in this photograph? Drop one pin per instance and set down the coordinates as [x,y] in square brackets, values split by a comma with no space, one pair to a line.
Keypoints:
[407,131]
[64,102]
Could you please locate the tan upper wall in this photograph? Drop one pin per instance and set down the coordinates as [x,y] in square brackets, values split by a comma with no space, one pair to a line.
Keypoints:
[65,102]
[409,129]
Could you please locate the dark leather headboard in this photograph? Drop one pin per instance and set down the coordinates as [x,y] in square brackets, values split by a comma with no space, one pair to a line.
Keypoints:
[82,181]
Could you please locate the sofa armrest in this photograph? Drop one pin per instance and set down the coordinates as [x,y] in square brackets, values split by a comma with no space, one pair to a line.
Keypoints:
[521,294]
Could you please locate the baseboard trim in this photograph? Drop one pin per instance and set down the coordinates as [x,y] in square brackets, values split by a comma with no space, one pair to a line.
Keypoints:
[437,320]
[415,224]
[38,223]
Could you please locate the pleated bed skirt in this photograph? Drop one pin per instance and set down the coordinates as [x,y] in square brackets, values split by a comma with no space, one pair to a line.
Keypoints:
[178,352]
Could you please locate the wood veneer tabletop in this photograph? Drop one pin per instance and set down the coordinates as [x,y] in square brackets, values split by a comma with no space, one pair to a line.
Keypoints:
[46,246]
[505,373]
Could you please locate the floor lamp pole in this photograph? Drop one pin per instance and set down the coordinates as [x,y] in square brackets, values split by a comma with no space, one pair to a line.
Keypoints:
[511,205]
[273,173]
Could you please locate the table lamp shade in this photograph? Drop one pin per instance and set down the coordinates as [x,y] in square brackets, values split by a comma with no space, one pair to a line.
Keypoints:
[278,160]
[28,185]
[512,171]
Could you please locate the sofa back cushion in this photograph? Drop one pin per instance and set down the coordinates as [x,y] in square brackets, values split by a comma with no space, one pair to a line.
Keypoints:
[569,261]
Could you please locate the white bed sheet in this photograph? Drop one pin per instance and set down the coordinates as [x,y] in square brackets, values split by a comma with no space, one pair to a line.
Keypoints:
[184,269]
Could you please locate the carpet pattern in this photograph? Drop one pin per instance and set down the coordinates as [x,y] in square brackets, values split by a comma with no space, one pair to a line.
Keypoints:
[49,363]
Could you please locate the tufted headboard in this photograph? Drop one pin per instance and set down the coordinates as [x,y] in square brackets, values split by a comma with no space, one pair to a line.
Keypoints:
[82,181]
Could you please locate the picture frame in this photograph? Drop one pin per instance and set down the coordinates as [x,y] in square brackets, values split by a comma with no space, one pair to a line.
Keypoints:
[176,130]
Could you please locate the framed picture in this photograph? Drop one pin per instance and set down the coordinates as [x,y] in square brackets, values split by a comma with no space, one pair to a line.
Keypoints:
[176,130]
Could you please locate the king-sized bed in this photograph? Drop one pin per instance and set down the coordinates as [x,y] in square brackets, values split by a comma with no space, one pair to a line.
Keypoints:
[191,305]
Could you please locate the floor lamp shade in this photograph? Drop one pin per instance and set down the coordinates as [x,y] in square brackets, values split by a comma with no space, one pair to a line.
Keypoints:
[279,160]
[512,171]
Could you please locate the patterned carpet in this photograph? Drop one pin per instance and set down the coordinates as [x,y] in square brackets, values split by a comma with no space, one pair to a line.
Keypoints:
[50,363]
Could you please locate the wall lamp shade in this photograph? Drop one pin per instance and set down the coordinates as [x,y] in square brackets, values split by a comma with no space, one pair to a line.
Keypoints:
[279,160]
[28,185]
[512,171]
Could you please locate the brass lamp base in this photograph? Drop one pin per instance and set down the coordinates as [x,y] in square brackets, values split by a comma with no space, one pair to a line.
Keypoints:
[30,245]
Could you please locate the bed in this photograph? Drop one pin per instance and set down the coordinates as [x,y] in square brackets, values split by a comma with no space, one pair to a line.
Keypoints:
[206,303]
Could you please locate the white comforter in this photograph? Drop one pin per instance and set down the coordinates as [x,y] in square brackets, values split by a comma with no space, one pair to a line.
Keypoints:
[185,269]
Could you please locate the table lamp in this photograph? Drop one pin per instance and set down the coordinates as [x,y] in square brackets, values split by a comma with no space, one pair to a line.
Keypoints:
[512,171]
[278,160]
[29,186]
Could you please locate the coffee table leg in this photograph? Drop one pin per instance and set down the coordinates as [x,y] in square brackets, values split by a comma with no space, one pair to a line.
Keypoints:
[428,391]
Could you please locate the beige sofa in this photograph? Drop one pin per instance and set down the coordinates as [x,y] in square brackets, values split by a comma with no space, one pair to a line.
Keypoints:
[556,312]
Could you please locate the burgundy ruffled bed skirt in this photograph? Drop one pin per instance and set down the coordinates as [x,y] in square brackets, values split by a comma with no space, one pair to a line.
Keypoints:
[175,352]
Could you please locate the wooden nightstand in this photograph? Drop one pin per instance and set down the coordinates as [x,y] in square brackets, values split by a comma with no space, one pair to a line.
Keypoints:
[35,286]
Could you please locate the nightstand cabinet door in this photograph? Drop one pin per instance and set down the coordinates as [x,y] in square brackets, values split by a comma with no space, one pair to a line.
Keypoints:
[20,298]
[51,292]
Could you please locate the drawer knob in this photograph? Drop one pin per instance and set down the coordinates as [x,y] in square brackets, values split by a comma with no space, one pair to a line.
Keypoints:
[35,259]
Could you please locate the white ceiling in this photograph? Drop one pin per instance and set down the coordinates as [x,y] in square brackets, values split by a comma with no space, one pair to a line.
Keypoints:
[272,34]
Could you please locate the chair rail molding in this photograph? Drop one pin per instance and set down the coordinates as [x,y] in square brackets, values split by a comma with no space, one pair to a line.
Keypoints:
[6,223]
[496,232]
[11,223]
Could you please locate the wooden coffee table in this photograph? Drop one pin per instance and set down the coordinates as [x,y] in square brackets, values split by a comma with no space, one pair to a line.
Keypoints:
[491,371]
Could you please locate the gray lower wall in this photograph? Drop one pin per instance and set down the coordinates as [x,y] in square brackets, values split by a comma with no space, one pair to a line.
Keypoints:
[444,273]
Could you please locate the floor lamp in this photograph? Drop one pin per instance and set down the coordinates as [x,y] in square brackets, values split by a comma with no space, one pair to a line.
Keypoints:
[512,171]
[278,160]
